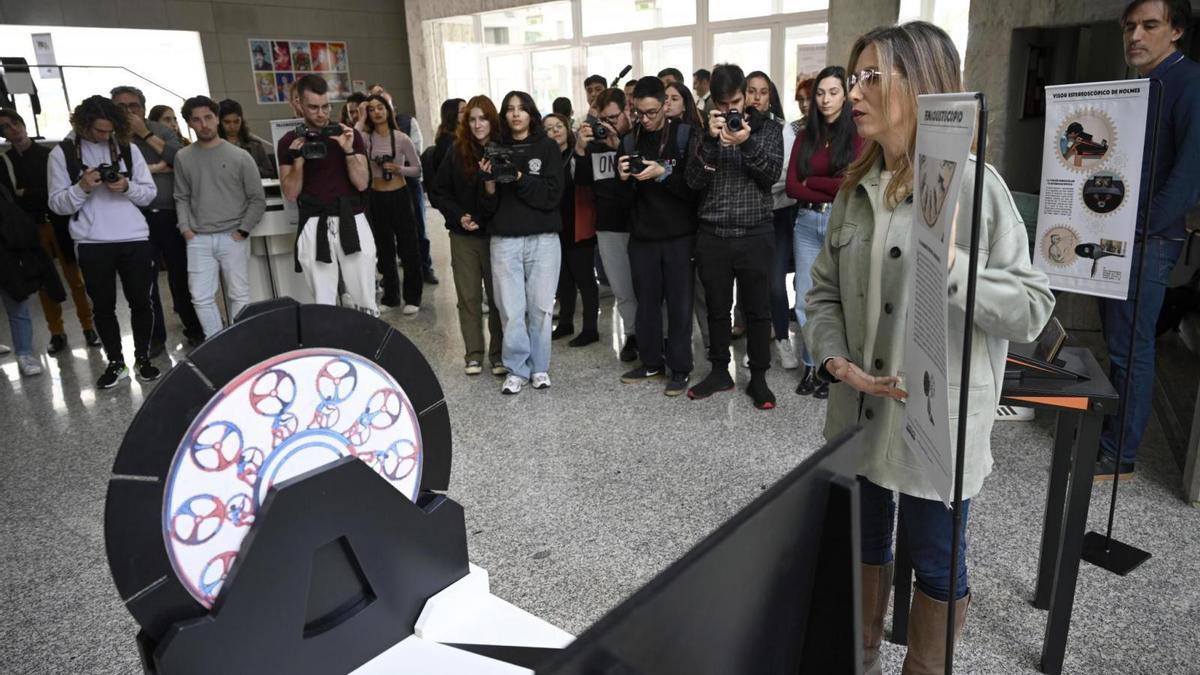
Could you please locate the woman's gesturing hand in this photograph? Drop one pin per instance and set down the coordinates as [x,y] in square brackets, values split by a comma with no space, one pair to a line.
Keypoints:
[884,386]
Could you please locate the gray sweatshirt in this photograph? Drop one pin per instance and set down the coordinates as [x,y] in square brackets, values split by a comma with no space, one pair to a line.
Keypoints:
[162,181]
[217,189]
[103,216]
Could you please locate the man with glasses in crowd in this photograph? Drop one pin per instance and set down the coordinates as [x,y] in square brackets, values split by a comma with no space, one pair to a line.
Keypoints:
[653,168]
[596,147]
[28,162]
[158,145]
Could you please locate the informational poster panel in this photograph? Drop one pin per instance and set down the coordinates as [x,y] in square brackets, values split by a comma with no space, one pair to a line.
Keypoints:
[945,128]
[43,50]
[276,64]
[1091,179]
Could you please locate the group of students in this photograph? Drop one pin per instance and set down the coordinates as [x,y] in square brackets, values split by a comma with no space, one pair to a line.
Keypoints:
[706,212]
[686,211]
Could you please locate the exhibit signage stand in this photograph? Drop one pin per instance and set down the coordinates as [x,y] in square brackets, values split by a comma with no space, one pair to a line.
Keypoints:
[965,381]
[1101,549]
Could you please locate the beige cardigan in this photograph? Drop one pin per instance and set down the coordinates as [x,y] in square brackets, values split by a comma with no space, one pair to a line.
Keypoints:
[1013,302]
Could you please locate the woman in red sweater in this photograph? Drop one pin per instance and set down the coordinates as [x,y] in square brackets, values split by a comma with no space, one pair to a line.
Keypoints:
[827,144]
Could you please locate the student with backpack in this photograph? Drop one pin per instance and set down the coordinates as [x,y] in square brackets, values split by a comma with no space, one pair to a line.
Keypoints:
[101,183]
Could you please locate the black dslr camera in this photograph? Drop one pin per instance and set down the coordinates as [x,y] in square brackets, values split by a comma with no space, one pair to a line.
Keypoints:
[109,173]
[734,120]
[636,165]
[314,140]
[504,169]
[384,159]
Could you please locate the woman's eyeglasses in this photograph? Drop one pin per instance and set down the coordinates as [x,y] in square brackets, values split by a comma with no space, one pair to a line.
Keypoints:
[864,77]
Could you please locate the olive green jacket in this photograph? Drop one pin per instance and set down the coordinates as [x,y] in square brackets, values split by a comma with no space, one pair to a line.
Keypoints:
[1013,302]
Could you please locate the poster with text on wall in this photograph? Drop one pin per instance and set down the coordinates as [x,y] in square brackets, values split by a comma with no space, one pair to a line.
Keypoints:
[276,64]
[945,128]
[1091,178]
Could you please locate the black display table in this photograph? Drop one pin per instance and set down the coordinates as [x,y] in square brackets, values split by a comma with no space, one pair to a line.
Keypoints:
[1082,405]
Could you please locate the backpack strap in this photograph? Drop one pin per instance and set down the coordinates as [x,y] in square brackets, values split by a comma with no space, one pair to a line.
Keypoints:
[627,144]
[682,132]
[127,157]
[71,159]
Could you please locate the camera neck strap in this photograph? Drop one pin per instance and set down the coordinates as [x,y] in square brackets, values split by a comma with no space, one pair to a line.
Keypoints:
[371,143]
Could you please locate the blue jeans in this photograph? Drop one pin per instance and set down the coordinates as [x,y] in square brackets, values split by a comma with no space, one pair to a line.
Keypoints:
[1118,322]
[20,323]
[780,268]
[927,526]
[807,239]
[524,278]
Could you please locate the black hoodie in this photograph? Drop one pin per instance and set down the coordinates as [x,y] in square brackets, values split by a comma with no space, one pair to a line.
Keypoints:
[598,168]
[663,209]
[454,194]
[530,206]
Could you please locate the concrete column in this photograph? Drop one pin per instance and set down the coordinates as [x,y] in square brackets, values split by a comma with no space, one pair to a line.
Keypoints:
[848,19]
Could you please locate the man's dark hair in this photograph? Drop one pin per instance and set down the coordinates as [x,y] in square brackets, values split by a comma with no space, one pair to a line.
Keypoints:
[673,72]
[312,83]
[12,115]
[535,117]
[1179,12]
[703,75]
[650,87]
[126,89]
[630,83]
[609,96]
[95,108]
[727,80]
[595,79]
[190,105]
[562,106]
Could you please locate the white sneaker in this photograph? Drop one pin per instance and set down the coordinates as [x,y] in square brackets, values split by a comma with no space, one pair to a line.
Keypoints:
[1008,413]
[410,310]
[5,349]
[28,365]
[541,380]
[473,368]
[513,384]
[787,355]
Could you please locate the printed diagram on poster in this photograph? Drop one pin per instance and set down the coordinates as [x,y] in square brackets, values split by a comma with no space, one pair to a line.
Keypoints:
[276,64]
[945,129]
[1091,174]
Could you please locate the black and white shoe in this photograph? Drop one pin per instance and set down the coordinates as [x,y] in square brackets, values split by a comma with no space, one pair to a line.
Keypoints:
[58,343]
[678,384]
[146,371]
[642,374]
[114,373]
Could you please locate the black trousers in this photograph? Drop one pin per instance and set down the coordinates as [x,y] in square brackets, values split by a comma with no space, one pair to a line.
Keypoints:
[662,271]
[416,193]
[748,261]
[578,273]
[133,262]
[169,245]
[393,226]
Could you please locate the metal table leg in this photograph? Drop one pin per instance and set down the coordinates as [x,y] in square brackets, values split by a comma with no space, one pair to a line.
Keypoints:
[1066,574]
[1056,496]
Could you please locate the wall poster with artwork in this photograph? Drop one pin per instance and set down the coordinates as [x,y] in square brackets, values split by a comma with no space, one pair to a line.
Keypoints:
[276,64]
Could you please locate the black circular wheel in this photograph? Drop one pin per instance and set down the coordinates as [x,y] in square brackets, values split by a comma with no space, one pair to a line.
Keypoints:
[284,390]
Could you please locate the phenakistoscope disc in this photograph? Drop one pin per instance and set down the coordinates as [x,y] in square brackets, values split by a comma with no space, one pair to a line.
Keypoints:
[276,394]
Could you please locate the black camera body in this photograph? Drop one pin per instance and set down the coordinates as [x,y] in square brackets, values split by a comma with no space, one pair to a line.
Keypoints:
[314,140]
[734,120]
[504,166]
[109,173]
[636,164]
[380,160]
[599,131]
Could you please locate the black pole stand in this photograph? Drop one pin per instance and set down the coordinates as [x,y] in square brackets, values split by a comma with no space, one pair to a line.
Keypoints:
[1102,550]
[965,384]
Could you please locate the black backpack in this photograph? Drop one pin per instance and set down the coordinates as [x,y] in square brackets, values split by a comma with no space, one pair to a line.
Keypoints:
[428,168]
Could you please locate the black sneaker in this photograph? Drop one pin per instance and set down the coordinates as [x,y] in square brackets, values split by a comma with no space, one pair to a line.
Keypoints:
[1106,467]
[430,278]
[157,348]
[146,371]
[717,381]
[91,338]
[584,339]
[629,352]
[562,330]
[808,383]
[822,391]
[678,384]
[642,374]
[57,344]
[114,373]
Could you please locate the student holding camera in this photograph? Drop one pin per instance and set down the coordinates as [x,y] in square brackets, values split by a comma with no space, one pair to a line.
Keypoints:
[394,163]
[102,183]
[458,192]
[596,147]
[526,172]
[323,167]
[736,167]
[653,167]
[219,198]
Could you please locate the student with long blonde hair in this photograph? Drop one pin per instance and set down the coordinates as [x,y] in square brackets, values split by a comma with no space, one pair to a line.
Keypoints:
[856,317]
